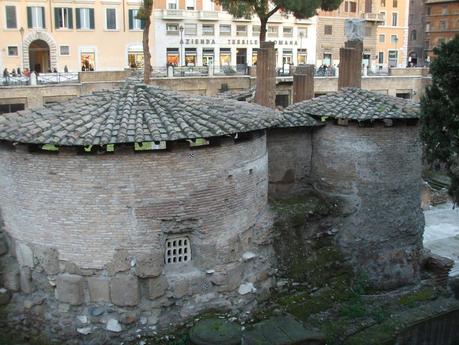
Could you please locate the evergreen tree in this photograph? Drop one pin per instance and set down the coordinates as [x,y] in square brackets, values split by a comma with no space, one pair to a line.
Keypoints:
[440,112]
[262,8]
[144,14]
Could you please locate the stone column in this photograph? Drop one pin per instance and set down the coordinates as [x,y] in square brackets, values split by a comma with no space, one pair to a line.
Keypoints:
[303,83]
[266,75]
[351,55]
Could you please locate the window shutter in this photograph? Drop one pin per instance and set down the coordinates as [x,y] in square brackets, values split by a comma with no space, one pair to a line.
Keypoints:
[142,24]
[56,17]
[70,14]
[43,16]
[78,18]
[91,18]
[29,17]
[131,19]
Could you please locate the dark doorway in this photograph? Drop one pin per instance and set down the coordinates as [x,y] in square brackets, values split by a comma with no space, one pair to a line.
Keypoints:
[241,59]
[39,58]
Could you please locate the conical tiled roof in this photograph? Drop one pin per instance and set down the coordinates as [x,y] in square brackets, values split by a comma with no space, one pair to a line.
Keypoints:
[352,104]
[134,113]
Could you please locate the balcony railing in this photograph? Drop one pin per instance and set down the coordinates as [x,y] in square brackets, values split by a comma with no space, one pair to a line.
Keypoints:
[208,15]
[374,17]
[172,14]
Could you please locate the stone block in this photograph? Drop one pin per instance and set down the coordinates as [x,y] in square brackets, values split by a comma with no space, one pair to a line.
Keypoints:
[120,262]
[11,277]
[26,280]
[3,245]
[228,278]
[24,254]
[185,283]
[69,288]
[157,287]
[48,259]
[149,265]
[124,290]
[99,289]
[5,296]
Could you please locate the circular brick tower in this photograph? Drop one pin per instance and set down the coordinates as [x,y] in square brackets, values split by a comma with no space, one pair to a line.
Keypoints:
[368,155]
[133,208]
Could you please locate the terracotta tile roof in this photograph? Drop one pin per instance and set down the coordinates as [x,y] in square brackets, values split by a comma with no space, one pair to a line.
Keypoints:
[134,113]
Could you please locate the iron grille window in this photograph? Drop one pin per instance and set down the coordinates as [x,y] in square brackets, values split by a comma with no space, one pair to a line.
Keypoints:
[178,250]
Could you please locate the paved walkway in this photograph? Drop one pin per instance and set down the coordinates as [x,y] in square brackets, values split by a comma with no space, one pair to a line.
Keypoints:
[441,234]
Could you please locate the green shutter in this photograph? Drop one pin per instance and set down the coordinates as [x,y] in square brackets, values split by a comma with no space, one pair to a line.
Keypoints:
[43,16]
[131,19]
[29,17]
[91,18]
[78,18]
[56,17]
[70,12]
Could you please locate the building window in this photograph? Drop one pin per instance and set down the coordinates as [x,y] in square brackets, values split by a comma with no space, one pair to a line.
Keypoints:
[383,3]
[393,58]
[171,4]
[11,108]
[414,35]
[173,56]
[287,31]
[172,28]
[383,15]
[207,29]
[395,3]
[190,57]
[191,29]
[427,27]
[190,5]
[11,19]
[429,10]
[36,17]
[303,32]
[225,30]
[85,18]
[207,56]
[273,31]
[382,38]
[328,30]
[225,56]
[178,250]
[381,57]
[393,39]
[63,18]
[394,19]
[442,25]
[134,23]
[350,6]
[135,57]
[302,56]
[241,30]
[13,51]
[256,30]
[444,9]
[327,59]
[110,18]
[64,50]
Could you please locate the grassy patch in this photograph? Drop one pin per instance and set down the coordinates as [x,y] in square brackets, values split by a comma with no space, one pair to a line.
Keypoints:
[413,298]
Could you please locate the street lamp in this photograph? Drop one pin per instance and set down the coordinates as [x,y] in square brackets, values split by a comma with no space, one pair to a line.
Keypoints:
[181,45]
[21,31]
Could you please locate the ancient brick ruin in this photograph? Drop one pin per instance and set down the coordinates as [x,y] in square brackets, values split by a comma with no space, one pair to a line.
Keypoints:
[101,239]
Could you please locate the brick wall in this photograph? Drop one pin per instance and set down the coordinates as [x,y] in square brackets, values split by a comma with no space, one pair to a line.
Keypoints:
[377,173]
[86,206]
[289,160]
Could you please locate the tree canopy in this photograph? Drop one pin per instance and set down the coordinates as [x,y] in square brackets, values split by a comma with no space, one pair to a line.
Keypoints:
[262,8]
[440,112]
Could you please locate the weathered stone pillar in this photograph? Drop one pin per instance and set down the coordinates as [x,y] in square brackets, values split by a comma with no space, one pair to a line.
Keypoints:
[349,71]
[266,75]
[303,83]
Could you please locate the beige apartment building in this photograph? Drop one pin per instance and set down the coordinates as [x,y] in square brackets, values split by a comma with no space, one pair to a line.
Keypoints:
[392,35]
[73,35]
[385,32]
